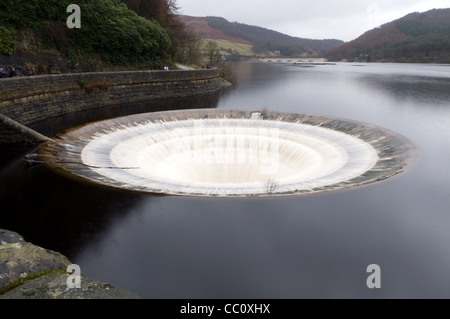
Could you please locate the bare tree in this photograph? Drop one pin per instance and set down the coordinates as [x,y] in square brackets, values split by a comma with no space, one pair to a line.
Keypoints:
[212,53]
[189,47]
[172,7]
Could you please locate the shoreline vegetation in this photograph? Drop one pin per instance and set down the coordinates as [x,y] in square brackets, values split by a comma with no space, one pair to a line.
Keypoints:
[111,36]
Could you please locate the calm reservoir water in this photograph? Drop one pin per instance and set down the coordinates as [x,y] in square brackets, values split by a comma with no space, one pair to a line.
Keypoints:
[300,247]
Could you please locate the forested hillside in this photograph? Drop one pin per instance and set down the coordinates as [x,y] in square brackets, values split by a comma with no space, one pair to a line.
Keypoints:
[110,34]
[417,37]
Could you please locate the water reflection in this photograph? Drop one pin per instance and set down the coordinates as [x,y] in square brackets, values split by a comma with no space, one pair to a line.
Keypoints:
[52,211]
[430,91]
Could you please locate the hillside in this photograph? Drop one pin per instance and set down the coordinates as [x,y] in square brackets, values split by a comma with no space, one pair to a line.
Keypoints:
[35,39]
[417,37]
[204,30]
[257,40]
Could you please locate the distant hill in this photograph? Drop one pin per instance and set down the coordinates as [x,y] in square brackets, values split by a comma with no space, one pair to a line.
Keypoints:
[253,40]
[417,37]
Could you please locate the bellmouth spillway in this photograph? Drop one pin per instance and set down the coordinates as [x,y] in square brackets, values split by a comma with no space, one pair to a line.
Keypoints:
[229,153]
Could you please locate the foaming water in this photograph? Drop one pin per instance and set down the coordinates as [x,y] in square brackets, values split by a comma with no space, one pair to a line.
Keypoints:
[230,153]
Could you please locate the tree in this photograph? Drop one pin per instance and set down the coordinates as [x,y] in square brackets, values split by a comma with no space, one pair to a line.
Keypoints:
[165,12]
[189,45]
[212,53]
[149,9]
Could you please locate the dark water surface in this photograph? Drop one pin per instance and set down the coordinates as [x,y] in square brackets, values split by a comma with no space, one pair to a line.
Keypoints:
[300,247]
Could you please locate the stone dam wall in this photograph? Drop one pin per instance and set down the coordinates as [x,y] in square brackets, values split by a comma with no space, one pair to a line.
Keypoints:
[32,101]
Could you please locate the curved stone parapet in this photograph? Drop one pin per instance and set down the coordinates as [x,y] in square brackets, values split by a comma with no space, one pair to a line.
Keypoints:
[34,100]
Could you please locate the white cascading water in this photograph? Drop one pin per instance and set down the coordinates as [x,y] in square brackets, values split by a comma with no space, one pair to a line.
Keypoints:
[222,156]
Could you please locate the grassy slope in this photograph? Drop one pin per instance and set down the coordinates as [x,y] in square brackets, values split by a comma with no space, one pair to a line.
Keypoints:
[241,48]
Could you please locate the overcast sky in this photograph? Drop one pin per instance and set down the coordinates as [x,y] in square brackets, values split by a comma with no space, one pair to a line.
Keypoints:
[321,19]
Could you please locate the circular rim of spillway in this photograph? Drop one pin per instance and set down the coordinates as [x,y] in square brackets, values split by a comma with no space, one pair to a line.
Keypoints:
[363,153]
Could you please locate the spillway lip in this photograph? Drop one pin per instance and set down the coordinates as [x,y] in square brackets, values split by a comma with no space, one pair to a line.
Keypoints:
[229,153]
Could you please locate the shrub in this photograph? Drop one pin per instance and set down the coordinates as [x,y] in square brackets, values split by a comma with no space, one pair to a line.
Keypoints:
[7,44]
[81,81]
[119,35]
